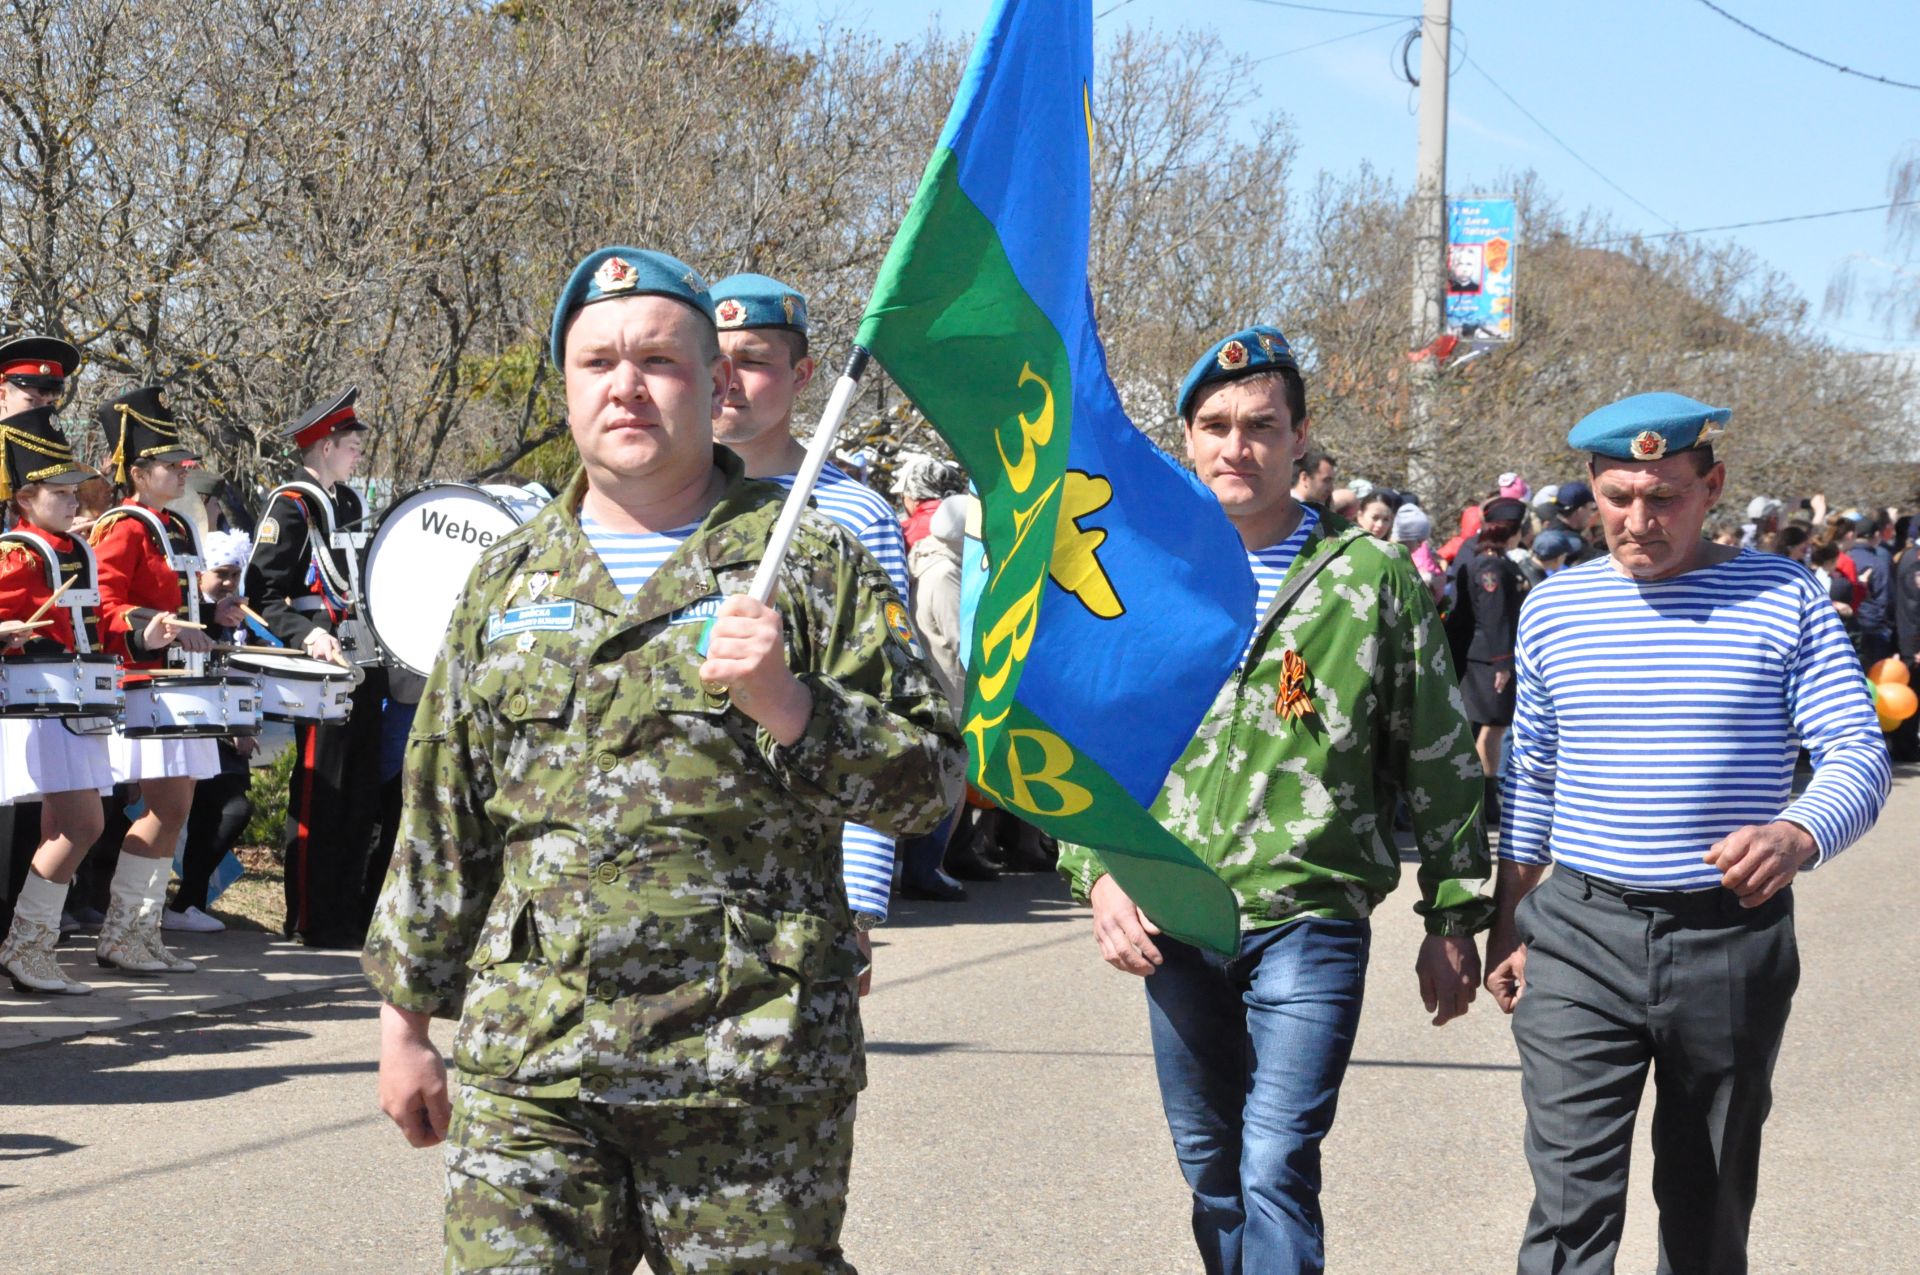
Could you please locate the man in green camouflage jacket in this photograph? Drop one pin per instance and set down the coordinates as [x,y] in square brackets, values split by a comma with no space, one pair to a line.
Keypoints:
[1344,705]
[619,863]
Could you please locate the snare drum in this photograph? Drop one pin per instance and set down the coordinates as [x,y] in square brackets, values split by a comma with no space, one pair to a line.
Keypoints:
[62,685]
[422,552]
[298,688]
[191,707]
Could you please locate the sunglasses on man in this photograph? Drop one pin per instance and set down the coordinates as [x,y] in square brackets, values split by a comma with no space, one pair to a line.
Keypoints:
[39,384]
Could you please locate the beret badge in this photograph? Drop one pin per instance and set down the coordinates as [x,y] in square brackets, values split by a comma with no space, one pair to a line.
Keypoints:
[729,313]
[615,275]
[1232,355]
[1648,445]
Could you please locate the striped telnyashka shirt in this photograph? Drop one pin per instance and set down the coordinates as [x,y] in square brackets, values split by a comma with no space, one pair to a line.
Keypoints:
[1270,566]
[1655,718]
[631,557]
[867,856]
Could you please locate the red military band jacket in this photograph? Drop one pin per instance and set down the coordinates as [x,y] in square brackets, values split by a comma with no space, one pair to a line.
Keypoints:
[135,580]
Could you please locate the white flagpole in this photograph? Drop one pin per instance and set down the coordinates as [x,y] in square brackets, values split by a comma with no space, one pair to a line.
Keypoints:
[818,450]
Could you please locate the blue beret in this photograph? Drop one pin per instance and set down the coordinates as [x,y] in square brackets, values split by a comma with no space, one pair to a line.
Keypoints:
[755,301]
[1647,427]
[1555,543]
[1255,349]
[624,272]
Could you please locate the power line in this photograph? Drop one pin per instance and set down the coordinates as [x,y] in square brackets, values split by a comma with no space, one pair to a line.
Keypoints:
[1351,13]
[1748,225]
[1351,35]
[1584,162]
[1800,52]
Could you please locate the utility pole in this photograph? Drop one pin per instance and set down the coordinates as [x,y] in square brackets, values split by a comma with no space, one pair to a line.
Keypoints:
[1430,244]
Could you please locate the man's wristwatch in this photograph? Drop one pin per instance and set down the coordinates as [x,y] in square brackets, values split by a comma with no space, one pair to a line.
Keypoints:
[864,921]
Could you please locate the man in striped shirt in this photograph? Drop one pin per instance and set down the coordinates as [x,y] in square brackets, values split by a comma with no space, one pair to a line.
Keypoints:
[763,329]
[1664,692]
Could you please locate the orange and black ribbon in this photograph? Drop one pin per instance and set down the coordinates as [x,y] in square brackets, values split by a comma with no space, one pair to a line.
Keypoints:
[1293,701]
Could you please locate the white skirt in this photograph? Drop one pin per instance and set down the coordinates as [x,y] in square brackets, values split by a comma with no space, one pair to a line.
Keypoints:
[137,759]
[40,756]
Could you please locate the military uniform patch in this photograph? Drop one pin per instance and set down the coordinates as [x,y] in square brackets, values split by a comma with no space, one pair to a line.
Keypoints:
[729,314]
[556,616]
[268,532]
[615,275]
[1233,354]
[901,627]
[1647,445]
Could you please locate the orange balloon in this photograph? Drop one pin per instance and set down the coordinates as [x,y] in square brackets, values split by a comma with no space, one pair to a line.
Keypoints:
[1892,670]
[1894,704]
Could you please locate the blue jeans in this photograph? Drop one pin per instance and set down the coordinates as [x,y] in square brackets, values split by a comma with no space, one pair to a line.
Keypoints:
[1250,1053]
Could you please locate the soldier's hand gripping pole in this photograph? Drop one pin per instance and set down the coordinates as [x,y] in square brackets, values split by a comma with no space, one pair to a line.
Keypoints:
[817,452]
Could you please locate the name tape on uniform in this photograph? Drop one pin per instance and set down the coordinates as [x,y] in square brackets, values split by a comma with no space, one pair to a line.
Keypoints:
[552,615]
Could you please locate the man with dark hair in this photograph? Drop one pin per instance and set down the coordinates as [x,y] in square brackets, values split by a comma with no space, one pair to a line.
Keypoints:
[1342,706]
[1873,563]
[1573,510]
[1663,797]
[1313,472]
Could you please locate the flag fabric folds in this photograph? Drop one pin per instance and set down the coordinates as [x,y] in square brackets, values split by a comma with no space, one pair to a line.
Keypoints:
[1118,597]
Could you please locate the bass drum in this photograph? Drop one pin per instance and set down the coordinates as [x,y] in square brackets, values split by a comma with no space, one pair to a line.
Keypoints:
[422,552]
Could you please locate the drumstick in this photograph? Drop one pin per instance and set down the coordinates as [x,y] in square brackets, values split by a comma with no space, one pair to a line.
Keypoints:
[255,616]
[11,627]
[178,623]
[48,604]
[240,648]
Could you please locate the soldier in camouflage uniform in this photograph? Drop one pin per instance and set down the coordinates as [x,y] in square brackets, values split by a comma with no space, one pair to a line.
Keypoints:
[619,864]
[1345,703]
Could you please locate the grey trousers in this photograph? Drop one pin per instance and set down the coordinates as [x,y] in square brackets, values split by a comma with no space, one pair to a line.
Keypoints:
[1693,986]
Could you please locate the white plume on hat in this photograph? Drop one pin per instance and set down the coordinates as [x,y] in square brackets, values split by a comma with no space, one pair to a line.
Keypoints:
[225,549]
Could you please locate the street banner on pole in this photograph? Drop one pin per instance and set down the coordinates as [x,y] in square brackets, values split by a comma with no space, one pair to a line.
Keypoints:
[1480,253]
[1119,599]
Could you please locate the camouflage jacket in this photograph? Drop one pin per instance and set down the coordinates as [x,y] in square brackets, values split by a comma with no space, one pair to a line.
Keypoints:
[626,890]
[1296,814]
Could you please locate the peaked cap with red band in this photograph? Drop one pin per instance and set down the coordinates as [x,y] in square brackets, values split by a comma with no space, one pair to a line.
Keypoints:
[325,419]
[38,356]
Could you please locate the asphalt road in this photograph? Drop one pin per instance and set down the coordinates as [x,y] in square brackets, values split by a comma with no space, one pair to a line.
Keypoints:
[1011,1126]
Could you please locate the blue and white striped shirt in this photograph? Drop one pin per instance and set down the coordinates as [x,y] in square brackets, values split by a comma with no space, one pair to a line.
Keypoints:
[1655,718]
[866,855]
[864,512]
[1270,566]
[631,557]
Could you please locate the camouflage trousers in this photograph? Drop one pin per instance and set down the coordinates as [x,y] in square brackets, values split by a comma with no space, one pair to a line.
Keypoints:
[556,1184]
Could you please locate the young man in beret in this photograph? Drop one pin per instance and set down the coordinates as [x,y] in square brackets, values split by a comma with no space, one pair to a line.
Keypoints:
[619,865]
[763,333]
[1344,703]
[1664,692]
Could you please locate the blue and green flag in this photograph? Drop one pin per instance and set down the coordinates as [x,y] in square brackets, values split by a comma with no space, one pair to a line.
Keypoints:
[1118,597]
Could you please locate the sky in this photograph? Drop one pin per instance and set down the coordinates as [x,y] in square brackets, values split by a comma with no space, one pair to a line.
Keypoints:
[1683,119]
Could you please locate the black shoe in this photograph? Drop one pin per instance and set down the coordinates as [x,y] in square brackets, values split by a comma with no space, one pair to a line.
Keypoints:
[968,865]
[941,889]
